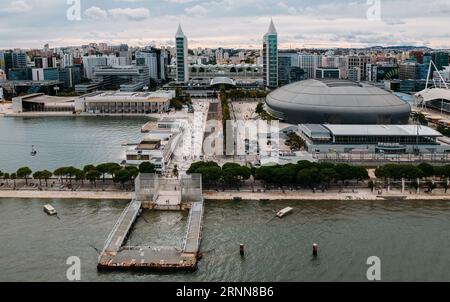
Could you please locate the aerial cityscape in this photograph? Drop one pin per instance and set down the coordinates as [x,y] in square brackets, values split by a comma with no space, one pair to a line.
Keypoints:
[225,141]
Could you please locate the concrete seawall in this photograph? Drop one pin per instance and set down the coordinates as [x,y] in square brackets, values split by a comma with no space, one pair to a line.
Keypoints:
[67,195]
[225,196]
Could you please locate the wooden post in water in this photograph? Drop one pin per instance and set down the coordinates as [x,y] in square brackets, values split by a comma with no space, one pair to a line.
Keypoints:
[315,249]
[241,250]
[403,185]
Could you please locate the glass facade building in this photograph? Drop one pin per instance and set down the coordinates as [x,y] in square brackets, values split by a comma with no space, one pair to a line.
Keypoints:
[181,42]
[270,57]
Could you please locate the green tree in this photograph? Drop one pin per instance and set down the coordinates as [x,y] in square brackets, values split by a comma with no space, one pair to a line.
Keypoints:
[103,169]
[6,177]
[14,177]
[122,176]
[112,168]
[210,175]
[24,173]
[175,171]
[133,171]
[286,175]
[420,118]
[46,175]
[38,175]
[88,168]
[147,167]
[60,173]
[92,176]
[70,173]
[328,175]
[427,169]
[308,177]
[80,176]
[259,108]
[265,174]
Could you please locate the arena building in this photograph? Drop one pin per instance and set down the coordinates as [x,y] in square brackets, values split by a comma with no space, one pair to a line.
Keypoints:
[329,101]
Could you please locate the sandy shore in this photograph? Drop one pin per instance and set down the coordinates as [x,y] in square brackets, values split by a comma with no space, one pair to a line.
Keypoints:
[67,195]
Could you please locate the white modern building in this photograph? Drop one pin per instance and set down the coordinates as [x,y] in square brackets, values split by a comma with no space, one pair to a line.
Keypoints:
[387,139]
[67,60]
[92,62]
[116,102]
[159,145]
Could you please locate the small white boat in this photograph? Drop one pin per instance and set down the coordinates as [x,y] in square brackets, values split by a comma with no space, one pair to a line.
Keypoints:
[49,210]
[284,212]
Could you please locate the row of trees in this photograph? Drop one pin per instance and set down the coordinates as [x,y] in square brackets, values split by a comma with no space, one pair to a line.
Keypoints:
[295,141]
[230,175]
[309,175]
[412,172]
[303,174]
[90,173]
[237,94]
[226,116]
[263,113]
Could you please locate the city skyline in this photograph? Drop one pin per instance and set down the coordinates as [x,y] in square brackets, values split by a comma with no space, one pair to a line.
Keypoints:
[227,23]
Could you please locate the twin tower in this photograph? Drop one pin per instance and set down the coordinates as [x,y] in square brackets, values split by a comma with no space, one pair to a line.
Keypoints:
[270,57]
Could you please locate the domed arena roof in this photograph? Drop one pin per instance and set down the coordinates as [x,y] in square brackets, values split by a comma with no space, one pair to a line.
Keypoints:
[336,102]
[222,80]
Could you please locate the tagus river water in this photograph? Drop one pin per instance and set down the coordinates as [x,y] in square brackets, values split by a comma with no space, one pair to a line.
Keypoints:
[60,141]
[412,239]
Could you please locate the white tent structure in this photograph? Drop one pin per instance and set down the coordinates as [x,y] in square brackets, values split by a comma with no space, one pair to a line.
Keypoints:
[438,92]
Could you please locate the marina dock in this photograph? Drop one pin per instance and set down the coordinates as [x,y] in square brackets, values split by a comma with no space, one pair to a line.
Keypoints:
[117,255]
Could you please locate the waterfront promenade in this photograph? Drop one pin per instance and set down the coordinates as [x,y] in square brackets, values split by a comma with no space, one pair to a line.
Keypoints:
[93,195]
[274,195]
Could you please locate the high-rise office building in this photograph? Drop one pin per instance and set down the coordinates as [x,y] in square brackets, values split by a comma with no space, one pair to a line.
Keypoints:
[40,62]
[67,60]
[156,60]
[441,59]
[309,63]
[413,71]
[354,74]
[288,70]
[45,74]
[19,60]
[181,43]
[328,73]
[270,57]
[360,61]
[91,62]
[6,62]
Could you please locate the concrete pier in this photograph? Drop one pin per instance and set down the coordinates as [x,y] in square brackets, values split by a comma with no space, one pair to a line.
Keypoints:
[116,255]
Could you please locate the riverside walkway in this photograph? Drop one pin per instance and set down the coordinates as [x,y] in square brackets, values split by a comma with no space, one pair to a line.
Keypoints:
[117,255]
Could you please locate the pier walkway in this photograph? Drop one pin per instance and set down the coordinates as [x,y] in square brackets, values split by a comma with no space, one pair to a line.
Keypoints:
[117,255]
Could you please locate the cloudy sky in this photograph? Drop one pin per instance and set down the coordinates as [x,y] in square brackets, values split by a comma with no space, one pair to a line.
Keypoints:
[228,23]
